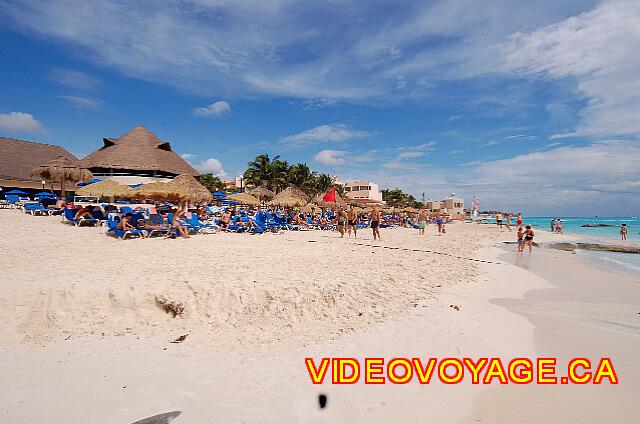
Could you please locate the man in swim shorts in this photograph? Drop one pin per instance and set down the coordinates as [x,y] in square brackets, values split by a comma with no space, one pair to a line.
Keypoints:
[440,223]
[352,221]
[341,218]
[422,222]
[375,222]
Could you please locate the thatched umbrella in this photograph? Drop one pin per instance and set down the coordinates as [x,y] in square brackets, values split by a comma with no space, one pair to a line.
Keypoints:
[262,193]
[182,188]
[287,202]
[106,188]
[292,192]
[62,169]
[244,199]
[340,202]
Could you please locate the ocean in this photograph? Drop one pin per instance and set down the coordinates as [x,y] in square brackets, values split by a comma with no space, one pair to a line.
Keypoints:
[620,262]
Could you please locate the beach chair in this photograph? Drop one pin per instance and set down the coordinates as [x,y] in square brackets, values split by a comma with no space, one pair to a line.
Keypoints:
[234,227]
[156,219]
[12,199]
[122,234]
[35,208]
[194,223]
[68,217]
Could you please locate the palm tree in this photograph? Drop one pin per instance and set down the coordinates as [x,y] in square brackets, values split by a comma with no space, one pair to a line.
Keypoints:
[258,172]
[278,171]
[324,183]
[211,183]
[300,176]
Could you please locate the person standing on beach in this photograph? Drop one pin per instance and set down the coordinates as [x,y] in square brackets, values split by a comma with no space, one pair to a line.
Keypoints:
[520,239]
[375,222]
[341,219]
[623,231]
[422,222]
[508,216]
[352,222]
[553,225]
[559,226]
[440,223]
[499,219]
[528,237]
[519,222]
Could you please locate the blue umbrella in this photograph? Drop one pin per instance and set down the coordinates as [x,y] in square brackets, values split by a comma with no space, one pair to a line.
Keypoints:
[134,185]
[219,194]
[43,194]
[17,192]
[94,180]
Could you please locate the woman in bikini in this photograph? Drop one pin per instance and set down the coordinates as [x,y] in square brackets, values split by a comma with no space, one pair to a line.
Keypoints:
[528,237]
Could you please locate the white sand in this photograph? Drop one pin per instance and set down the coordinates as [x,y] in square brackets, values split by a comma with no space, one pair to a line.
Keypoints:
[255,306]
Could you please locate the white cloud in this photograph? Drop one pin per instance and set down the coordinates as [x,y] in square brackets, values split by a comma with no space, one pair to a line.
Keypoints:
[325,133]
[82,102]
[600,50]
[19,122]
[218,108]
[207,166]
[74,79]
[455,117]
[278,48]
[332,157]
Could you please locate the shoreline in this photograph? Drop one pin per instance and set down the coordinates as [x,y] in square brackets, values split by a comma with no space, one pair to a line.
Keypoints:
[212,377]
[580,315]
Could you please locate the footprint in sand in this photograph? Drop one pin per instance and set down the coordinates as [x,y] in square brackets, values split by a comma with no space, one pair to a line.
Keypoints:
[373,406]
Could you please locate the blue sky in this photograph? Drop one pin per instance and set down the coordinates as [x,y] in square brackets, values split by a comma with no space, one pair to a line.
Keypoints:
[532,107]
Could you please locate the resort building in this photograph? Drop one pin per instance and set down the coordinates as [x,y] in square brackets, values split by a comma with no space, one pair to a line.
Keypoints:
[366,191]
[19,157]
[136,157]
[453,205]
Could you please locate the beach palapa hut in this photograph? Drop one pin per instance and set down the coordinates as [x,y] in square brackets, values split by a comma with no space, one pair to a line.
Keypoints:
[62,169]
[106,188]
[244,199]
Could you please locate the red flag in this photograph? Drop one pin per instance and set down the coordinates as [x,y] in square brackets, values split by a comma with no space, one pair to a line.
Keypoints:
[330,196]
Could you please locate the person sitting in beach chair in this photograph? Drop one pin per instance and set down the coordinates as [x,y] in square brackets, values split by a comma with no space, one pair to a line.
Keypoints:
[84,212]
[125,223]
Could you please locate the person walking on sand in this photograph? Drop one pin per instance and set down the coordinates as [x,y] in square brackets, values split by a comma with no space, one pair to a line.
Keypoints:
[520,239]
[352,221]
[528,237]
[553,225]
[440,223]
[422,222]
[375,222]
[177,225]
[341,219]
[559,226]
[623,231]
[499,219]
[508,216]
[519,222]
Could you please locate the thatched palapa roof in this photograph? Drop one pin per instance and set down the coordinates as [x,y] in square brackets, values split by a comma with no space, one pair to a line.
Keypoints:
[288,202]
[244,199]
[62,168]
[139,149]
[262,193]
[182,188]
[18,158]
[106,188]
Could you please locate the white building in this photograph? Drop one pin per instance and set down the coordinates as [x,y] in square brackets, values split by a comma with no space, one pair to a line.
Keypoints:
[363,190]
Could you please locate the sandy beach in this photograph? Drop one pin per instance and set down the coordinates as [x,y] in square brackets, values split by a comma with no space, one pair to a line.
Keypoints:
[84,339]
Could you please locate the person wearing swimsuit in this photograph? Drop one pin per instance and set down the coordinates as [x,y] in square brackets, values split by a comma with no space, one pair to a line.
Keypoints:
[341,218]
[422,222]
[375,222]
[528,237]
[352,221]
[520,239]
[440,223]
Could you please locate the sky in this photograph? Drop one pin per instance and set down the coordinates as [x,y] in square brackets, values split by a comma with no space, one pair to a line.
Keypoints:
[532,106]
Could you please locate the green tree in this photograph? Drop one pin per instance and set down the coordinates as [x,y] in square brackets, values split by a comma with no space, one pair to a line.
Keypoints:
[258,173]
[212,183]
[397,198]
[324,183]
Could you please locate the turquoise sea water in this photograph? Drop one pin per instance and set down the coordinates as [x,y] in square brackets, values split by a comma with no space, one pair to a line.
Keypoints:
[572,225]
[622,262]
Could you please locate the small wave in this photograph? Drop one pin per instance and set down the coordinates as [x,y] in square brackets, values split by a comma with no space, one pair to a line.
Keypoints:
[621,263]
